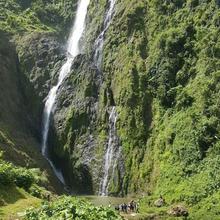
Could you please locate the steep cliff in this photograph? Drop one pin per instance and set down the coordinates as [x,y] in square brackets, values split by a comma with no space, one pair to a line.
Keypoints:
[161,71]
[31,55]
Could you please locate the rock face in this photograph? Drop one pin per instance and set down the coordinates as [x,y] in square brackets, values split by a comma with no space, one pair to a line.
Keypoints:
[19,114]
[15,117]
[41,57]
[153,65]
[77,125]
[79,133]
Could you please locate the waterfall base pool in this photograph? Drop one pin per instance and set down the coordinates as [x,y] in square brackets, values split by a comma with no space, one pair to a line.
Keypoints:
[108,200]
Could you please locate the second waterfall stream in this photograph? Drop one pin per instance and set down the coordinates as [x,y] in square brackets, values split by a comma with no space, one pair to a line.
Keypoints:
[112,152]
[99,43]
[112,148]
[72,51]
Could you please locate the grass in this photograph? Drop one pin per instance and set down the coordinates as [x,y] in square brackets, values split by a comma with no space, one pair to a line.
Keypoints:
[16,201]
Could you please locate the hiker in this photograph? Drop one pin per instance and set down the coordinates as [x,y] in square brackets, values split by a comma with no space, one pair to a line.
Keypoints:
[48,197]
[117,208]
[136,207]
[124,208]
[120,207]
[131,205]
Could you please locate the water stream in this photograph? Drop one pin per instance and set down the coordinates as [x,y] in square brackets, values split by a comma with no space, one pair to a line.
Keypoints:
[73,49]
[99,43]
[112,153]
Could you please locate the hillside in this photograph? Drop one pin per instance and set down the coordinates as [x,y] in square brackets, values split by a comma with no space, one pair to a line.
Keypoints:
[138,112]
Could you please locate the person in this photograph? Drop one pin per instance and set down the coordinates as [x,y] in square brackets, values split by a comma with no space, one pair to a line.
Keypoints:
[117,208]
[136,207]
[131,205]
[48,197]
[122,207]
[125,207]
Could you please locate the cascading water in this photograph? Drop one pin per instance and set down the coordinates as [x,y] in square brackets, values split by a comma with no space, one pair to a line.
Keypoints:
[112,152]
[72,51]
[99,43]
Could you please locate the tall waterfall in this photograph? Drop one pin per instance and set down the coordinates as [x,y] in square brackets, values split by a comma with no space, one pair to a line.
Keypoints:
[99,43]
[112,152]
[72,51]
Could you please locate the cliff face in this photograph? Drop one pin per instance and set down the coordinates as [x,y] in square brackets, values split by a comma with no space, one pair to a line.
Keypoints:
[19,117]
[31,55]
[161,70]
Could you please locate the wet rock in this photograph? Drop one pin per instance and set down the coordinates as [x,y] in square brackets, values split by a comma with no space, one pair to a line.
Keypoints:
[41,57]
[178,211]
[76,125]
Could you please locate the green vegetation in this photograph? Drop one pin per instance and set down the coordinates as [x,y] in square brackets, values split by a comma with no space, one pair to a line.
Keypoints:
[161,68]
[10,175]
[19,16]
[19,191]
[31,180]
[71,208]
[14,201]
[16,186]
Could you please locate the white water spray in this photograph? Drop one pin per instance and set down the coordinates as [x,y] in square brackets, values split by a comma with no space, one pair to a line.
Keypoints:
[99,43]
[72,51]
[111,154]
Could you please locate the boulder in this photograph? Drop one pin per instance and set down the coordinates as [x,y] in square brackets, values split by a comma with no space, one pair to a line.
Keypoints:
[159,203]
[178,211]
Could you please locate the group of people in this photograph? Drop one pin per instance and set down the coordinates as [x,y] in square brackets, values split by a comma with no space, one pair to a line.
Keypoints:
[132,206]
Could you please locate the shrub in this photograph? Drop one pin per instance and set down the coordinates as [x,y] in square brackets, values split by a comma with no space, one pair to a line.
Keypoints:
[10,174]
[71,208]
[23,178]
[6,174]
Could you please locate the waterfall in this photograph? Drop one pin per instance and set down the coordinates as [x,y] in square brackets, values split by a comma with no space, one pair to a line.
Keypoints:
[72,51]
[99,43]
[112,152]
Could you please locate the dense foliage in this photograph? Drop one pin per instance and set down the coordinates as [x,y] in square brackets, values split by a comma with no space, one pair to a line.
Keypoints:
[71,208]
[178,75]
[10,175]
[161,69]
[18,16]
